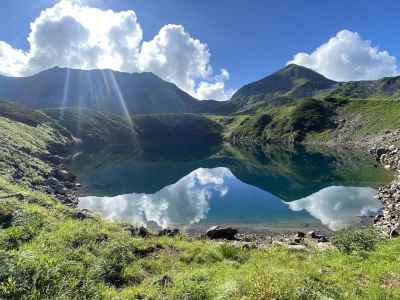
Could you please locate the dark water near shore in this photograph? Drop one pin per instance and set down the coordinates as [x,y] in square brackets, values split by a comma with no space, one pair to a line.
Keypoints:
[242,186]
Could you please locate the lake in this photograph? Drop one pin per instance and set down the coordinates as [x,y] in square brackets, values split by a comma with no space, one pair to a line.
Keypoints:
[254,188]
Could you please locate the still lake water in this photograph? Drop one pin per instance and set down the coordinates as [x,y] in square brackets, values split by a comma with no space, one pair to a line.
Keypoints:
[248,186]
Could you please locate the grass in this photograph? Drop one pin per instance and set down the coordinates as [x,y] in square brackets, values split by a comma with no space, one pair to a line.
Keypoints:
[21,145]
[46,253]
[286,123]
[376,115]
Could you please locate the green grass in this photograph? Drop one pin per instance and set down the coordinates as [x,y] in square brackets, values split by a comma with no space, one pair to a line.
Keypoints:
[21,145]
[287,123]
[376,115]
[47,254]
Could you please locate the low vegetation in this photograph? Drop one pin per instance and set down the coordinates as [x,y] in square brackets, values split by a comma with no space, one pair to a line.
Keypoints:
[46,252]
[25,137]
[288,123]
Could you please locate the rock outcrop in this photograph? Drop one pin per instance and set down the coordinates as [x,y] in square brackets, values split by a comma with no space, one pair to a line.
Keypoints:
[389,219]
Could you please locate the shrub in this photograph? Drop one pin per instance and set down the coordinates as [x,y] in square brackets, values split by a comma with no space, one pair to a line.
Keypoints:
[234,253]
[350,241]
[115,258]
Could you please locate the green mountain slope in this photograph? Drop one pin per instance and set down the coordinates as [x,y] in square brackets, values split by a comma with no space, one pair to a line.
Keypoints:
[27,137]
[388,87]
[291,82]
[99,130]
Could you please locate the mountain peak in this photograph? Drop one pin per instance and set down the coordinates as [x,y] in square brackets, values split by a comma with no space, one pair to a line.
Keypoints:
[293,70]
[292,81]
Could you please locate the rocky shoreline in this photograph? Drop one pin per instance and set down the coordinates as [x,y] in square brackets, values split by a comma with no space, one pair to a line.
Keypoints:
[388,221]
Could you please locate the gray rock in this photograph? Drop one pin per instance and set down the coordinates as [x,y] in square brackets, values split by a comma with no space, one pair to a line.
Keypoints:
[55,159]
[82,214]
[137,231]
[64,175]
[52,181]
[219,232]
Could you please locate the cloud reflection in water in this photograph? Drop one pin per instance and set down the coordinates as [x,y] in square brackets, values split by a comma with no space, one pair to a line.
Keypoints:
[339,206]
[185,202]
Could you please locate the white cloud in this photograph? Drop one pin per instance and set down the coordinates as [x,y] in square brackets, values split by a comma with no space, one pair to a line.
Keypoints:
[70,34]
[347,57]
[12,61]
[216,89]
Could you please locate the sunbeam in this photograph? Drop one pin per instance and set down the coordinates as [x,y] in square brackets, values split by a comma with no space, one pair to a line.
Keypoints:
[121,99]
[65,93]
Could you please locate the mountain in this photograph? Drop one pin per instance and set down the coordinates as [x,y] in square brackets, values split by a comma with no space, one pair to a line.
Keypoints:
[171,132]
[291,82]
[367,89]
[106,90]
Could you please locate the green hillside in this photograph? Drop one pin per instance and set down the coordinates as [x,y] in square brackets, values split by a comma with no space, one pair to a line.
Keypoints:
[288,84]
[26,137]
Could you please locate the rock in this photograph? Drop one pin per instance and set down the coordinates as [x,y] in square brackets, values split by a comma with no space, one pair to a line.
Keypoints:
[168,232]
[317,236]
[297,241]
[300,235]
[64,175]
[82,214]
[5,220]
[380,152]
[219,232]
[322,239]
[54,159]
[137,231]
[52,181]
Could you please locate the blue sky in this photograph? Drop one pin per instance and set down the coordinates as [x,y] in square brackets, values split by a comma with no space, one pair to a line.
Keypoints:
[249,39]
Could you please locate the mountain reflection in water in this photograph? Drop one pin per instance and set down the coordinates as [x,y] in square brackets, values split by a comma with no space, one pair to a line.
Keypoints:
[236,185]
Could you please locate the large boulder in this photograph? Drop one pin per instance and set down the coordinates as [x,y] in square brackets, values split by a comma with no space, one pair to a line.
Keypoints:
[220,232]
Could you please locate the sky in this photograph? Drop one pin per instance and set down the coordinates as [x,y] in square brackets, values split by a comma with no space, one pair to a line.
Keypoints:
[207,48]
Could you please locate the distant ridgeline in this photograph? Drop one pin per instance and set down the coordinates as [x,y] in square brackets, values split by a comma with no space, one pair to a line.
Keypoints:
[295,104]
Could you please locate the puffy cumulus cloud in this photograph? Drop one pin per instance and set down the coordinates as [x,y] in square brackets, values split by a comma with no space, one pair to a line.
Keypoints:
[174,55]
[184,203]
[215,89]
[338,207]
[12,61]
[70,34]
[347,57]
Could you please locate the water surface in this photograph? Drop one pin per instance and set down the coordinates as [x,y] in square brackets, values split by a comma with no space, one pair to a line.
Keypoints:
[235,185]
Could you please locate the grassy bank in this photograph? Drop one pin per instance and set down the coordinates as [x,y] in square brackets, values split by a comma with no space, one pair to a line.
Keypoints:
[47,251]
